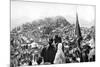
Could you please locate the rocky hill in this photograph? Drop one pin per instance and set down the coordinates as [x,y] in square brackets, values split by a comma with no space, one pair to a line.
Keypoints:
[48,27]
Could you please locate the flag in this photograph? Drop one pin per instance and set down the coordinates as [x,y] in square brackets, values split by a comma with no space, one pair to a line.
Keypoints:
[79,38]
[78,33]
[77,29]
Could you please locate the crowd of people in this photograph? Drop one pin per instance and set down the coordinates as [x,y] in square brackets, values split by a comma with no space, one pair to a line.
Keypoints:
[57,51]
[53,46]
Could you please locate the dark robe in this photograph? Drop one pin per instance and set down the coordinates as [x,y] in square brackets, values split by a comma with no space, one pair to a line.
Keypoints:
[49,54]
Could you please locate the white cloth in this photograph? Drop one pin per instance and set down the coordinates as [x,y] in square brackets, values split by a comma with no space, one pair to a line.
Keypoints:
[34,60]
[91,53]
[59,57]
[34,44]
[91,43]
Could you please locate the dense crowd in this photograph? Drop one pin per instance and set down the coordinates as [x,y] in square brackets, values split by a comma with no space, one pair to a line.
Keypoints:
[58,50]
[53,43]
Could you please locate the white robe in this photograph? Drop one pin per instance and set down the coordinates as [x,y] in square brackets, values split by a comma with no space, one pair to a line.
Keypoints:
[59,57]
[91,43]
[91,53]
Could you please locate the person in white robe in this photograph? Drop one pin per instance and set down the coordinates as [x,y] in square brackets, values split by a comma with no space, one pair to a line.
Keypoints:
[59,57]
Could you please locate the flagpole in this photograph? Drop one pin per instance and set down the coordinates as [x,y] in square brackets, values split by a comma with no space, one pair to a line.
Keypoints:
[78,36]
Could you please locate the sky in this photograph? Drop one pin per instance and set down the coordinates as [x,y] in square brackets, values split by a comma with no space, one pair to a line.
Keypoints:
[23,12]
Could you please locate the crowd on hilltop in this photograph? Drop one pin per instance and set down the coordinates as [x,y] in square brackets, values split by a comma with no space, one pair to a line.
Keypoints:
[54,41]
[58,50]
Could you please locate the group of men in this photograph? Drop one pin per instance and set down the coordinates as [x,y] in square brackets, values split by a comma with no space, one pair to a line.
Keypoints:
[54,52]
[57,52]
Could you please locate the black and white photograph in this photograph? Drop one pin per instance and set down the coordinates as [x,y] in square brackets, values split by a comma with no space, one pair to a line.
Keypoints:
[43,33]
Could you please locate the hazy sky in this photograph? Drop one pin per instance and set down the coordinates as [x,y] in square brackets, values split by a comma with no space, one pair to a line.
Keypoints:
[22,12]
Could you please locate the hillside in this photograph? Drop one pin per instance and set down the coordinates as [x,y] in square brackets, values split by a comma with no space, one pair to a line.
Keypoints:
[44,28]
